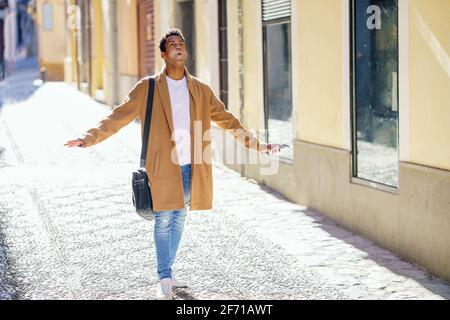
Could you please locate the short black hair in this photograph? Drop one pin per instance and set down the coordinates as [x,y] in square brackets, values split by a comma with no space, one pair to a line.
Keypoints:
[169,33]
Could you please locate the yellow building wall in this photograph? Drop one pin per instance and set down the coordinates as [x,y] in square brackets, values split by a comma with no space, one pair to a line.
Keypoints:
[202,32]
[253,65]
[319,72]
[106,54]
[157,19]
[70,62]
[206,63]
[164,19]
[52,43]
[97,45]
[73,53]
[429,70]
[128,37]
[233,57]
[207,52]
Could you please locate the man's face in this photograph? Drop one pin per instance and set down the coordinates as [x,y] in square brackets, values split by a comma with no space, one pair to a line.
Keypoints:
[176,53]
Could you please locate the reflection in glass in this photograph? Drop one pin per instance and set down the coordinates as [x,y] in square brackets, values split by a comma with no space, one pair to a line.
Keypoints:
[375,90]
[278,82]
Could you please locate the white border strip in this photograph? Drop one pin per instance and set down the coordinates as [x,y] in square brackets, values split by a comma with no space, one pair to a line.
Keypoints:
[403,54]
[260,58]
[295,30]
[346,112]
[212,7]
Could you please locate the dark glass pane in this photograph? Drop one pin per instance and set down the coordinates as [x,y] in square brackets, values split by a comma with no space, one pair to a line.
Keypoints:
[279,85]
[186,11]
[223,52]
[375,61]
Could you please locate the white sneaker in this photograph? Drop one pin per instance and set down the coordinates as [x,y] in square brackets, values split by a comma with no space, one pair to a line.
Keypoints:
[164,290]
[150,216]
[177,283]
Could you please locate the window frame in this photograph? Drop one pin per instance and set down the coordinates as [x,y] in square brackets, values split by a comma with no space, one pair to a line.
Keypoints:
[265,24]
[354,178]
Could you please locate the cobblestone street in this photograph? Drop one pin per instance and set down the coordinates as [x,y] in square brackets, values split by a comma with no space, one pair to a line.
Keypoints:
[68,229]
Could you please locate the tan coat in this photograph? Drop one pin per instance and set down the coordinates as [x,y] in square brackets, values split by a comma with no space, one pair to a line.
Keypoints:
[164,175]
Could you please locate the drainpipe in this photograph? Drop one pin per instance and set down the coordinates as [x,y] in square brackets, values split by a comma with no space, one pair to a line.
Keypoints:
[113,51]
[241,77]
[241,61]
[89,44]
[77,35]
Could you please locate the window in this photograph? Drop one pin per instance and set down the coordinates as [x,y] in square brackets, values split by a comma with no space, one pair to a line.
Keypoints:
[47,16]
[223,51]
[185,15]
[278,73]
[374,29]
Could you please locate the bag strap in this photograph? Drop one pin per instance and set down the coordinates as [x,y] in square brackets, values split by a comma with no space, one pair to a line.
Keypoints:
[148,119]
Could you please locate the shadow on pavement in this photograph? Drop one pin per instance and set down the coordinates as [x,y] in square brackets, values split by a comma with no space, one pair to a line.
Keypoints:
[9,288]
[183,294]
[375,252]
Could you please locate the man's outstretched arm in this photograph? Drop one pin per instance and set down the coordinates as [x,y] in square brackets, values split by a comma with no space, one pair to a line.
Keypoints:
[227,121]
[122,115]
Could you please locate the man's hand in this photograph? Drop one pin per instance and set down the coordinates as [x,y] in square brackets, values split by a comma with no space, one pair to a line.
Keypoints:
[271,148]
[75,143]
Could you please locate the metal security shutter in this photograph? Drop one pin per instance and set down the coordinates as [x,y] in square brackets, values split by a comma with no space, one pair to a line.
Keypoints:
[276,9]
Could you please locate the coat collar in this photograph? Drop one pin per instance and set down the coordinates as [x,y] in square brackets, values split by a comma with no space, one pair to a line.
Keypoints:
[161,77]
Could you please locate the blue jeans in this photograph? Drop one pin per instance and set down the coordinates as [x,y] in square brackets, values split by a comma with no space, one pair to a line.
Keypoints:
[169,228]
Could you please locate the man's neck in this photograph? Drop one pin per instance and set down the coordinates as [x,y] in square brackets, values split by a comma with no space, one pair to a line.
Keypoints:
[175,73]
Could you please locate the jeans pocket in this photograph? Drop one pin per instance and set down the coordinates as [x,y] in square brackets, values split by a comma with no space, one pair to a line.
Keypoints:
[186,177]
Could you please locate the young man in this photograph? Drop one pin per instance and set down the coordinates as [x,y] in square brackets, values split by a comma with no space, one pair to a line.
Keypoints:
[179,171]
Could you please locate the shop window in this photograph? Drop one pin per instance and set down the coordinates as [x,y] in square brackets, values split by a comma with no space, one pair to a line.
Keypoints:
[278,73]
[374,90]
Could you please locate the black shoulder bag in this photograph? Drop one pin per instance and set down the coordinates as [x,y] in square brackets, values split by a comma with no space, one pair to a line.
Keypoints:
[142,195]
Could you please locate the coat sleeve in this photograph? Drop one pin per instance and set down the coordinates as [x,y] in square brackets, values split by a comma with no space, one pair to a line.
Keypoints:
[227,121]
[122,115]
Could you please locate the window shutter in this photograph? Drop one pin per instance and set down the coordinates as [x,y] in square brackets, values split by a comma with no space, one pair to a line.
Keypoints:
[276,9]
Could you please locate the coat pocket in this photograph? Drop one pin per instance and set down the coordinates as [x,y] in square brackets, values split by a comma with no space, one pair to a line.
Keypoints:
[205,169]
[156,163]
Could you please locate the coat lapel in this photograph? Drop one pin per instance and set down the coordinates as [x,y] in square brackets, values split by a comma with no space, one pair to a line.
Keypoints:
[164,96]
[192,98]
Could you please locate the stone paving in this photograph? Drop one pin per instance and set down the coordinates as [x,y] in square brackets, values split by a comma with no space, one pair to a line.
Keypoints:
[68,230]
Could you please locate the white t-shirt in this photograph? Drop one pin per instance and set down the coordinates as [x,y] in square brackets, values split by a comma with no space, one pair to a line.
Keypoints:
[179,100]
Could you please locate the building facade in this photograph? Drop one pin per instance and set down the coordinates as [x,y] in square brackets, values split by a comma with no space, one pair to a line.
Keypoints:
[109,46]
[50,22]
[360,89]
